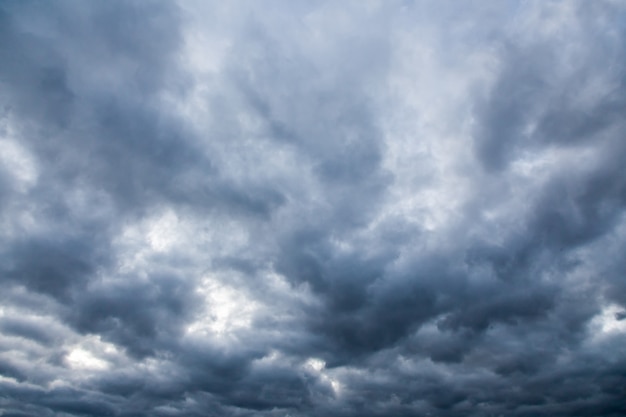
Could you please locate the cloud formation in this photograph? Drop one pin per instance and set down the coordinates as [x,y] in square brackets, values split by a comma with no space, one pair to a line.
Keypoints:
[403,208]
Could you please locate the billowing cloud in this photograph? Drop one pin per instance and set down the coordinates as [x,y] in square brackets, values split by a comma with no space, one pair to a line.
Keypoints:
[287,208]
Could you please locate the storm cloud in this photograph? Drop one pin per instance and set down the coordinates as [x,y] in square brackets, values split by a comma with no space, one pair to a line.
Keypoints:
[291,208]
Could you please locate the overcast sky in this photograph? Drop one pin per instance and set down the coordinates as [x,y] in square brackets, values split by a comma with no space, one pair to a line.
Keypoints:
[313,208]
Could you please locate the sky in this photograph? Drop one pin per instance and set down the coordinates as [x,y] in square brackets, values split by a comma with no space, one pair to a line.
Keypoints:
[312,208]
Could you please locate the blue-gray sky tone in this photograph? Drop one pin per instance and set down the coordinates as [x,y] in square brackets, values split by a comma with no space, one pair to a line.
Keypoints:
[312,208]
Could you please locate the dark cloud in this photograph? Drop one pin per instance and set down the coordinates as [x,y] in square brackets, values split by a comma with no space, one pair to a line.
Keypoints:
[391,208]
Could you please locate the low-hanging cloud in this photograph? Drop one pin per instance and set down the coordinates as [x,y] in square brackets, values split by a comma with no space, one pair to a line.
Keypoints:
[400,208]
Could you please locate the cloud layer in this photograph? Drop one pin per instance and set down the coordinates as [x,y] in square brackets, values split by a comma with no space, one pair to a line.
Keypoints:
[312,209]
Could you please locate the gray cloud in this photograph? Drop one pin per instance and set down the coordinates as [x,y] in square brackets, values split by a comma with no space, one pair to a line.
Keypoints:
[391,208]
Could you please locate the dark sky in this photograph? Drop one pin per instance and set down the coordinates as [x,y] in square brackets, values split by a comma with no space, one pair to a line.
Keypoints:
[313,208]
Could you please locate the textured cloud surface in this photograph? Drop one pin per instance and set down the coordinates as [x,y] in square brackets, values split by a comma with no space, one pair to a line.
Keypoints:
[294,208]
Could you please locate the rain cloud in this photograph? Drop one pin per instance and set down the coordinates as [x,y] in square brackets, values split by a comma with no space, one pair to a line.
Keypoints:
[290,208]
